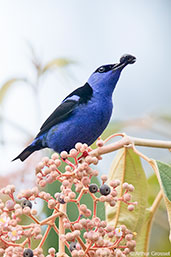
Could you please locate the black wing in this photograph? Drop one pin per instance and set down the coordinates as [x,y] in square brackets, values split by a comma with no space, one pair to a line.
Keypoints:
[65,109]
[85,93]
[62,112]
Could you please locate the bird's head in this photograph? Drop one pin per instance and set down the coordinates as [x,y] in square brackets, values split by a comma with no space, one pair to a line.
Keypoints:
[104,79]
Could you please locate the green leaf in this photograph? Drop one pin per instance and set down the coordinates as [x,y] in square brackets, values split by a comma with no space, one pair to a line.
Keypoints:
[56,63]
[143,234]
[154,188]
[163,172]
[165,175]
[127,168]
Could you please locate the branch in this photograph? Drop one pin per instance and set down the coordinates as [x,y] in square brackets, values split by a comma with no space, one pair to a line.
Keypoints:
[151,142]
[156,203]
[126,141]
[61,231]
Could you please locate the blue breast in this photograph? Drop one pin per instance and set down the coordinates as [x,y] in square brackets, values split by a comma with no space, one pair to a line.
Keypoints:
[85,125]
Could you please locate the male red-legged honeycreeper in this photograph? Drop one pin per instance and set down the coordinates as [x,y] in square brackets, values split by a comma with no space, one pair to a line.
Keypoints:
[83,115]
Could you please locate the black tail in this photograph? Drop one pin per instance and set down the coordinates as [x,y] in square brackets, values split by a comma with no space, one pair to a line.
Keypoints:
[29,150]
[24,154]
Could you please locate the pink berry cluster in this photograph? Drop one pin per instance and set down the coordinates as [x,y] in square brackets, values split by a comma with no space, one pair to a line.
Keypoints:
[99,239]
[10,229]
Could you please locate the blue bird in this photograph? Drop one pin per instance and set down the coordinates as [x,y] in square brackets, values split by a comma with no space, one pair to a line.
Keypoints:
[83,115]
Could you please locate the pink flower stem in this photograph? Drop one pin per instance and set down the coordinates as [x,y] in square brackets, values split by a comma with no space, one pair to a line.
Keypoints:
[68,162]
[51,218]
[93,196]
[33,218]
[116,243]
[11,196]
[29,242]
[25,242]
[81,193]
[9,243]
[114,135]
[88,248]
[61,230]
[57,232]
[84,154]
[95,247]
[44,236]
[128,203]
[94,208]
[55,228]
[26,227]
[73,200]
[80,242]
[60,173]
[122,246]
[76,221]
[76,161]
[66,175]
[59,179]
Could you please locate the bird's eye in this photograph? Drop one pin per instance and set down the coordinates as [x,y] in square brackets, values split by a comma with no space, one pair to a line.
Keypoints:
[101,69]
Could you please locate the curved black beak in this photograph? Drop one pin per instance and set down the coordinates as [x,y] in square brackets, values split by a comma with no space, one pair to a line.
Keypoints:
[124,60]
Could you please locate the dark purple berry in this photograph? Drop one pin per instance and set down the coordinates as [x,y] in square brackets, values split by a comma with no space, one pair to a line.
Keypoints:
[93,188]
[60,199]
[127,58]
[72,246]
[28,253]
[26,203]
[105,189]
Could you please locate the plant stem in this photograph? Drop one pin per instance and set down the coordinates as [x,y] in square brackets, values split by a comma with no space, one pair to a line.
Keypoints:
[156,203]
[151,142]
[44,236]
[51,218]
[121,191]
[61,230]
[33,218]
[126,141]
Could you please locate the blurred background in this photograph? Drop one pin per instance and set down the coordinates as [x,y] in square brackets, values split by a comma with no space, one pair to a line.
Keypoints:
[49,48]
